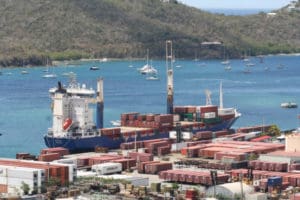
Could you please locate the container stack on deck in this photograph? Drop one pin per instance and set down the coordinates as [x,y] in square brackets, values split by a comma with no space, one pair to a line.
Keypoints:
[162,122]
[206,114]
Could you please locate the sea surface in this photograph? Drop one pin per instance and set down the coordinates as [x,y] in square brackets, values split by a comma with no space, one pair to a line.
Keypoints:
[25,113]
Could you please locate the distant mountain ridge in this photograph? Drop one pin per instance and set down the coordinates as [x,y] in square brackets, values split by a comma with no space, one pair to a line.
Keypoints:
[32,30]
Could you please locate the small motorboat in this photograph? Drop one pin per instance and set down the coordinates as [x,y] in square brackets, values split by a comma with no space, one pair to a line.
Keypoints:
[116,122]
[94,68]
[228,67]
[24,72]
[288,105]
[49,75]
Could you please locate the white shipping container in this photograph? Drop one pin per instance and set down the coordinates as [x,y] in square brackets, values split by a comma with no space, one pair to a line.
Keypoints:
[184,135]
[176,118]
[19,172]
[226,111]
[251,135]
[107,168]
[81,173]
[72,161]
[209,115]
[187,135]
[178,146]
[172,134]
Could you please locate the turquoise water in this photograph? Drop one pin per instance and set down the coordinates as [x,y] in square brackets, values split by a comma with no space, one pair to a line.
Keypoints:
[25,105]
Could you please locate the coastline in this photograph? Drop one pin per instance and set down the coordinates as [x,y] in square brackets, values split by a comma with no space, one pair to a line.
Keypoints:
[55,63]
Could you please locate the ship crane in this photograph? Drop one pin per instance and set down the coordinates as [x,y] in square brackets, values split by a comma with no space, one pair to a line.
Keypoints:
[100,104]
[170,85]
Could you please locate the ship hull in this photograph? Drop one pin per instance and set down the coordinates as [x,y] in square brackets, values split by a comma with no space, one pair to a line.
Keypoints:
[84,144]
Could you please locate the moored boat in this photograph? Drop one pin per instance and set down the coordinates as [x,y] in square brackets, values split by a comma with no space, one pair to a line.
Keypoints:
[94,68]
[288,105]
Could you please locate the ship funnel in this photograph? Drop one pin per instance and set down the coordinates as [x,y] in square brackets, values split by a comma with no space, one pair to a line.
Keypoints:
[99,104]
[60,88]
[169,67]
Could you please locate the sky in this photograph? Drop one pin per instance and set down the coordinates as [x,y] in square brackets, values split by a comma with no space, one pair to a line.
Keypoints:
[237,4]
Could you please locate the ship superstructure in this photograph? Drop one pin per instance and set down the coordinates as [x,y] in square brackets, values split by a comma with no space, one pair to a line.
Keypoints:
[72,115]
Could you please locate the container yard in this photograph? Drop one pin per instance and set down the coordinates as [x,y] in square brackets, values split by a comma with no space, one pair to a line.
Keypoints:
[155,168]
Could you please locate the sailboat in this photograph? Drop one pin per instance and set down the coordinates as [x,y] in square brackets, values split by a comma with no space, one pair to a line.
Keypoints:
[225,61]
[147,69]
[246,59]
[48,74]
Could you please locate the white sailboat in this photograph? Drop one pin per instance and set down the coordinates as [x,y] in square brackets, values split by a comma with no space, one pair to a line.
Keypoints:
[148,68]
[225,61]
[48,74]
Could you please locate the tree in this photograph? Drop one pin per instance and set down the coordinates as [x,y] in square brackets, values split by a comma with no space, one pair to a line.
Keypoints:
[25,187]
[273,131]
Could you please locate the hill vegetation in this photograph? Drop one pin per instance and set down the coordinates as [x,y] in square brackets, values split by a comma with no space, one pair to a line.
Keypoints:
[33,30]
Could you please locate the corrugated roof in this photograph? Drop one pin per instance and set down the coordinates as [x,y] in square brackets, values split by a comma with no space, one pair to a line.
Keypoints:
[262,138]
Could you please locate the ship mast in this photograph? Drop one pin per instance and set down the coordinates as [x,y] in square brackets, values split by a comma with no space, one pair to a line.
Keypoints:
[221,95]
[169,68]
[100,104]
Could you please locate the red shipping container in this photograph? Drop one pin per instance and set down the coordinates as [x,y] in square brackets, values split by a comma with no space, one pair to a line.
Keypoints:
[209,108]
[49,157]
[220,133]
[161,151]
[154,168]
[127,163]
[203,135]
[141,165]
[62,151]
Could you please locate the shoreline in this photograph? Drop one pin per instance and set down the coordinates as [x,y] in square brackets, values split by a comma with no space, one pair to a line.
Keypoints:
[103,60]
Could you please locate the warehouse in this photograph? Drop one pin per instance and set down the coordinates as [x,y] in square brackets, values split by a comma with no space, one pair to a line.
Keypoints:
[20,179]
[229,190]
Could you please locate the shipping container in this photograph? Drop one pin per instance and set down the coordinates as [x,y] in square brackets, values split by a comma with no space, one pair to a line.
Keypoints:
[154,168]
[107,168]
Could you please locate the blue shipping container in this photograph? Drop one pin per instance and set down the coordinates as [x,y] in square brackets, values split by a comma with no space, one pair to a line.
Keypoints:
[274,181]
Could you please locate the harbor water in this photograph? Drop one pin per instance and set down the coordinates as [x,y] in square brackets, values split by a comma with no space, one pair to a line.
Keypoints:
[25,113]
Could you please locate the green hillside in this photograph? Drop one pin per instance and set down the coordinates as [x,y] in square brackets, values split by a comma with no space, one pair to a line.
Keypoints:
[32,30]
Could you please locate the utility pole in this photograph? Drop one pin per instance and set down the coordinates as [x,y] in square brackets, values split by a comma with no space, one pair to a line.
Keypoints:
[242,191]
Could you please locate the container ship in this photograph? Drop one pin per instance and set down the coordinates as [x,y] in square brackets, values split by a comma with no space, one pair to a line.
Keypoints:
[75,129]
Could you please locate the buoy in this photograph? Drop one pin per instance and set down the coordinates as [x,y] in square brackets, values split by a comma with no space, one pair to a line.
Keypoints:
[67,123]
